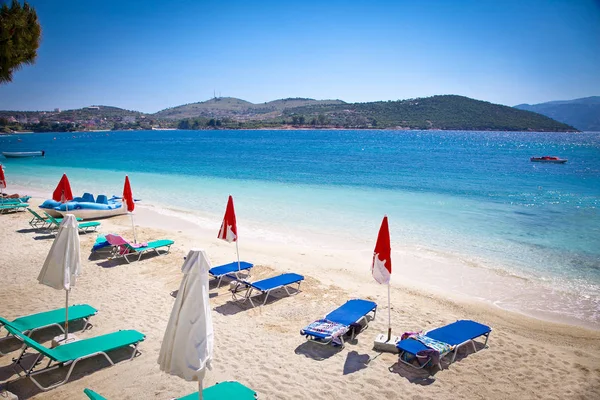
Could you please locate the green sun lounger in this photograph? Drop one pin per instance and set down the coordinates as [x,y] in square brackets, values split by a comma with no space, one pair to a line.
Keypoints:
[84,227]
[6,208]
[123,248]
[31,323]
[72,353]
[229,390]
[38,222]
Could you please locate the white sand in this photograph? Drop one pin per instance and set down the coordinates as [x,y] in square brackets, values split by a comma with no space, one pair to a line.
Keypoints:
[262,347]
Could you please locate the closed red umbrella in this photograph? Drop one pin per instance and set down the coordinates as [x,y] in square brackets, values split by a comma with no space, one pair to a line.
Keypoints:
[128,195]
[2,179]
[381,268]
[228,229]
[63,192]
[129,203]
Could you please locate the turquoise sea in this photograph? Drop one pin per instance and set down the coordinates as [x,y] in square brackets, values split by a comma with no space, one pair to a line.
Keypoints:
[475,194]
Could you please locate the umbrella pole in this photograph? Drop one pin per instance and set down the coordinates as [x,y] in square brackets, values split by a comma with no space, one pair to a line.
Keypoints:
[67,316]
[237,252]
[389,315]
[200,389]
[133,226]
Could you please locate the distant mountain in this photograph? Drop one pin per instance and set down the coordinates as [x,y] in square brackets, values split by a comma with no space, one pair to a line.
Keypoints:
[231,107]
[583,114]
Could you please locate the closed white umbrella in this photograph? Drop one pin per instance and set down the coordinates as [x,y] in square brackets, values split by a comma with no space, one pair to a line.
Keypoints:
[63,263]
[187,346]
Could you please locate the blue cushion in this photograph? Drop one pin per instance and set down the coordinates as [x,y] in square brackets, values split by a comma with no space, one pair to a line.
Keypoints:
[459,332]
[411,346]
[277,281]
[228,268]
[351,311]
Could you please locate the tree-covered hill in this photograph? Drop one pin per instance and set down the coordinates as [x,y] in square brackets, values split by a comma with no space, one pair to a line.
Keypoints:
[449,112]
[230,107]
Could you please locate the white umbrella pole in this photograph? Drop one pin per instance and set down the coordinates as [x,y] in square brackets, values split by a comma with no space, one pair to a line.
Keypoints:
[200,389]
[133,226]
[237,252]
[389,315]
[67,316]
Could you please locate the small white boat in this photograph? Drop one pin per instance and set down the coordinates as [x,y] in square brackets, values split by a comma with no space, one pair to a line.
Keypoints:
[23,154]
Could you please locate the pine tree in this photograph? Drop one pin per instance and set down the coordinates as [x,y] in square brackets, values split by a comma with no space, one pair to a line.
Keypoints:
[20,34]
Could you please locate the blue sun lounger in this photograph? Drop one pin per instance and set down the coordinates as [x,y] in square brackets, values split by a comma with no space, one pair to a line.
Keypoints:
[232,268]
[454,335]
[264,286]
[353,316]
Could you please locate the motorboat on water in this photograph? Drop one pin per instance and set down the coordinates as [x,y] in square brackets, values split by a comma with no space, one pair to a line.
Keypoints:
[23,154]
[549,159]
[85,207]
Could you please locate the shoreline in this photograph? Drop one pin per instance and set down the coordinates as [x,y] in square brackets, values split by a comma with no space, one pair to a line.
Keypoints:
[416,267]
[276,361]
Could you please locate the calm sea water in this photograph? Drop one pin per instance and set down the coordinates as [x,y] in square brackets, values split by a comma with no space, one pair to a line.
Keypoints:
[471,193]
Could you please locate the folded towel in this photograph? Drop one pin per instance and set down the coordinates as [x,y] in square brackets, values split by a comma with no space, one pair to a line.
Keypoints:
[328,328]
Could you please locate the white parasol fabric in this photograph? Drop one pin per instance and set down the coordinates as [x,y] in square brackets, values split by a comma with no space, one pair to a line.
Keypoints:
[187,346]
[63,262]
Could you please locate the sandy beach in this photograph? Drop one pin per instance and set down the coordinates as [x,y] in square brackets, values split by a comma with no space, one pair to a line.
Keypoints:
[261,347]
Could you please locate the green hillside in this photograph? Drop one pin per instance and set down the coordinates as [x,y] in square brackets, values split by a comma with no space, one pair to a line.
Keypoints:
[230,107]
[448,112]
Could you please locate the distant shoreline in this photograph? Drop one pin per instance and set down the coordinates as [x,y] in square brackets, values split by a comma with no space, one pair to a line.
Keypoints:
[291,128]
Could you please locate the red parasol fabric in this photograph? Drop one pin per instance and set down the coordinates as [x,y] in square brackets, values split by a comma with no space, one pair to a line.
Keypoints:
[63,192]
[382,261]
[128,195]
[228,229]
[2,178]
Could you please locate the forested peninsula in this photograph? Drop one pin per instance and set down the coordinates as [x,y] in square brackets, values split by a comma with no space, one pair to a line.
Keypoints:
[445,112]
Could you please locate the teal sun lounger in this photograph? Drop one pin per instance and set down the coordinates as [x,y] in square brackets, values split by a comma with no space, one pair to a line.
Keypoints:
[229,390]
[71,353]
[39,222]
[264,286]
[123,248]
[350,318]
[31,323]
[428,349]
[83,227]
[6,208]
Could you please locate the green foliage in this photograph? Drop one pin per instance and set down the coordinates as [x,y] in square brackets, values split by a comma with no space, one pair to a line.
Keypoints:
[448,112]
[20,34]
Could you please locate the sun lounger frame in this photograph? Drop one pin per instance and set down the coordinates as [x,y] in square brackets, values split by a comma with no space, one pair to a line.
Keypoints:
[443,356]
[38,222]
[329,339]
[250,287]
[6,208]
[28,333]
[234,272]
[130,250]
[85,227]
[30,372]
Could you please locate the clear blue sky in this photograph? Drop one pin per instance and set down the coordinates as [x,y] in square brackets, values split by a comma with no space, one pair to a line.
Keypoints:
[149,55]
